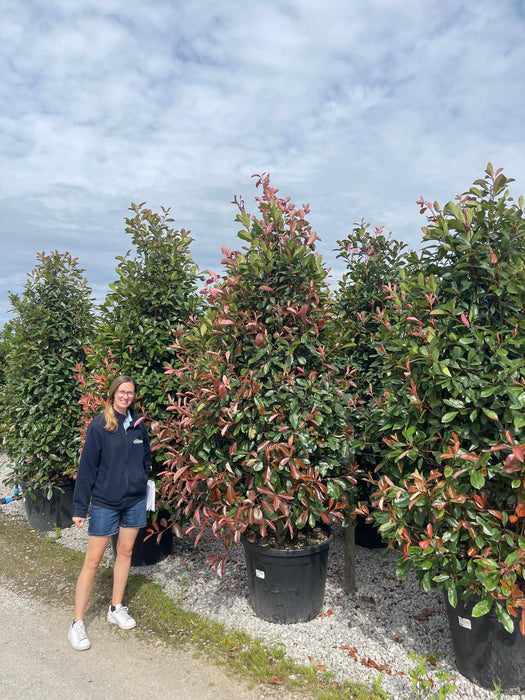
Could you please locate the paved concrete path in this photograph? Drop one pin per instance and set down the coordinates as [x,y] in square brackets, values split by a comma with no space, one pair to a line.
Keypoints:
[37,661]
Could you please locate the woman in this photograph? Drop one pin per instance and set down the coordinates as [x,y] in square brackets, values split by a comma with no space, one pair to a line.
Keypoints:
[111,483]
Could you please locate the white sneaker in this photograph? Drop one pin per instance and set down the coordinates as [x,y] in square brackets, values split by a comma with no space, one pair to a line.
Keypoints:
[78,637]
[119,616]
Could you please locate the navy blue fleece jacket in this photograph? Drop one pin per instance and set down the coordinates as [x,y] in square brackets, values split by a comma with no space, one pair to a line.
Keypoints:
[114,467]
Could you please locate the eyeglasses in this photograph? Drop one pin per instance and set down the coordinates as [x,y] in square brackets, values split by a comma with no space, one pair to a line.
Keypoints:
[127,394]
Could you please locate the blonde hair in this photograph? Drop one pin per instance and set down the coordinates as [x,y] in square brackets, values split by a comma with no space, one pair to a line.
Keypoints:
[110,420]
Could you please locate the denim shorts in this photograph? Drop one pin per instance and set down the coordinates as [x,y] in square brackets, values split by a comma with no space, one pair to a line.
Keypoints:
[104,522]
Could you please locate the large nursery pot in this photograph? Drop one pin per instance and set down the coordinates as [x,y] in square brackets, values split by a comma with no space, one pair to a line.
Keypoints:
[44,514]
[147,550]
[286,585]
[485,652]
[367,535]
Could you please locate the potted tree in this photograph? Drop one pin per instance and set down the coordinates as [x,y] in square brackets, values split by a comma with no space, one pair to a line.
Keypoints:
[156,290]
[452,418]
[373,260]
[259,437]
[39,409]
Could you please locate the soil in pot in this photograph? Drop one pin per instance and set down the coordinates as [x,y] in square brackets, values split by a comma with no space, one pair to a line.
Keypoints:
[287,585]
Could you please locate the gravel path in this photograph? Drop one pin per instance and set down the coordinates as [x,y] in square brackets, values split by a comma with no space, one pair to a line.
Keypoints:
[357,637]
[40,663]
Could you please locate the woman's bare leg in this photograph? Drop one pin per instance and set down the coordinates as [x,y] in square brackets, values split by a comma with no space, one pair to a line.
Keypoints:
[126,540]
[95,551]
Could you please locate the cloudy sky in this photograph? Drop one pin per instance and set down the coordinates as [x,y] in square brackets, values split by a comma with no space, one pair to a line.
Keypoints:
[358,107]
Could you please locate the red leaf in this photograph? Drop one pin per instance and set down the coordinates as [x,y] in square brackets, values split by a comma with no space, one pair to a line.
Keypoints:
[465,320]
[519,452]
[230,494]
[497,514]
[303,518]
[510,466]
[294,472]
[180,471]
[520,510]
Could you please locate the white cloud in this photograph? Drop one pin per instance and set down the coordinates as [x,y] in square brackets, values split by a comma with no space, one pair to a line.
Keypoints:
[356,108]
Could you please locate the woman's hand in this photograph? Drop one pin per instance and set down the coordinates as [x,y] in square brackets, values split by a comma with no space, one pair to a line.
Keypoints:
[79,522]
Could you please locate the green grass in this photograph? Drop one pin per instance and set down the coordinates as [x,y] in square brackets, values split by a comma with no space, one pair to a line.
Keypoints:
[36,564]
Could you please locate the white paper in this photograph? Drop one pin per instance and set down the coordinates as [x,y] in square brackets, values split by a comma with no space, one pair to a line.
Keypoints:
[150,499]
[465,622]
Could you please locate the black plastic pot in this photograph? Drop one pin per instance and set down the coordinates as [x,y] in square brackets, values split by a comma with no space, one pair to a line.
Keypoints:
[485,652]
[367,535]
[148,551]
[45,514]
[286,585]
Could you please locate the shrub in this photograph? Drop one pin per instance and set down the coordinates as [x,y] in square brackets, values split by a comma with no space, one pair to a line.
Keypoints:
[39,409]
[373,261]
[259,436]
[155,292]
[452,412]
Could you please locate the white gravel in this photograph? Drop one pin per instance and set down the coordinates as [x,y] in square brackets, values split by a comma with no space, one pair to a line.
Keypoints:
[353,637]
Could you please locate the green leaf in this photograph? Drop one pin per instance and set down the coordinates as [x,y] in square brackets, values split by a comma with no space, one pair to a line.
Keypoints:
[491,581]
[490,414]
[452,596]
[519,421]
[505,619]
[477,480]
[455,403]
[245,235]
[426,582]
[482,607]
[449,417]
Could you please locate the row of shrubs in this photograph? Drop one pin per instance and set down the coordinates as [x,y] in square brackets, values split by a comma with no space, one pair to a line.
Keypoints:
[277,403]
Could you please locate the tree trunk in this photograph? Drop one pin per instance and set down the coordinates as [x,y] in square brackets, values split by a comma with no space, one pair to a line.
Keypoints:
[349,582]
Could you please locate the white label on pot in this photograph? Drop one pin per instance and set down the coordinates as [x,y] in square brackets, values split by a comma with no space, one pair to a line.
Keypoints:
[465,622]
[259,573]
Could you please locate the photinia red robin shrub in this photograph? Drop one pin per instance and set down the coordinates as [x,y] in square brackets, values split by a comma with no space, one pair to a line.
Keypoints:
[260,433]
[452,496]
